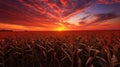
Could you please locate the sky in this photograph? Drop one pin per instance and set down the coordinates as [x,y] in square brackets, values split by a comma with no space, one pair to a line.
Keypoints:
[51,15]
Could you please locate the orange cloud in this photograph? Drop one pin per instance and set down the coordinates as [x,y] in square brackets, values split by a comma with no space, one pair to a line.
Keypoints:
[20,27]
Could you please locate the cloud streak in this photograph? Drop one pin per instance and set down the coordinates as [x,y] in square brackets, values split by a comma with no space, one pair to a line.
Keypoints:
[104,17]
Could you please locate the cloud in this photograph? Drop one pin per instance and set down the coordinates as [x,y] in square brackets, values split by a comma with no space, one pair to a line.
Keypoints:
[104,17]
[31,12]
[43,13]
[97,19]
[82,23]
[84,18]
[109,1]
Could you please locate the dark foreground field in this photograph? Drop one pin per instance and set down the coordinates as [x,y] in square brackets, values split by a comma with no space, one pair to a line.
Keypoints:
[60,49]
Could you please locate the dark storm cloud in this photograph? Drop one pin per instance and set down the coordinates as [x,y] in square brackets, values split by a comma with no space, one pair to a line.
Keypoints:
[109,1]
[82,22]
[40,12]
[104,17]
[100,18]
[84,18]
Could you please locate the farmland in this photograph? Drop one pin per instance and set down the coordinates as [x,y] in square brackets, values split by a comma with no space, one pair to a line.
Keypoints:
[60,49]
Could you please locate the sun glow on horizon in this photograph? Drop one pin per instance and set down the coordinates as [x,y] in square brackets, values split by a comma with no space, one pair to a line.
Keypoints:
[60,28]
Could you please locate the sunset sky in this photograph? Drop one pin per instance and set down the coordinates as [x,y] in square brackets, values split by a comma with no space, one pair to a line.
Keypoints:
[50,15]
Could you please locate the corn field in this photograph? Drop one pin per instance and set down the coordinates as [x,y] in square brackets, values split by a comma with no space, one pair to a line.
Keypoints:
[60,49]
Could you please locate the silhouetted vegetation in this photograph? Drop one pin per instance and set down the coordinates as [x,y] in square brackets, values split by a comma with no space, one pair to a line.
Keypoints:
[3,30]
[60,49]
